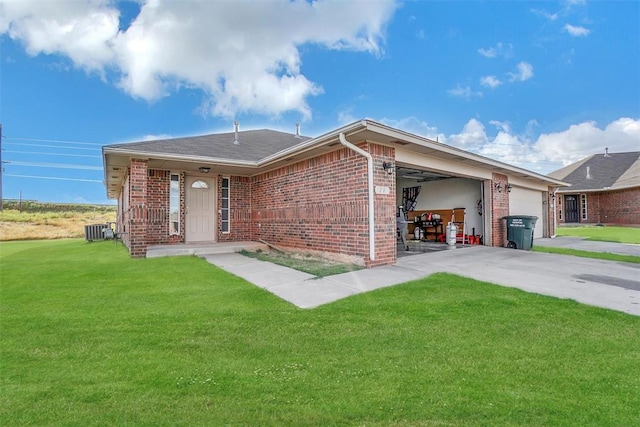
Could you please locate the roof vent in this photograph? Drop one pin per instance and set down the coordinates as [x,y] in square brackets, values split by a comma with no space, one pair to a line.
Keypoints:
[297,130]
[606,152]
[588,172]
[236,125]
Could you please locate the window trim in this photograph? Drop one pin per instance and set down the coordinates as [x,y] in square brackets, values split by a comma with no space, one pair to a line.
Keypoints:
[174,198]
[224,222]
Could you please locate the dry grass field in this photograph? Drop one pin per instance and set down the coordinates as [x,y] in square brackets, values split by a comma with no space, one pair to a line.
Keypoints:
[35,221]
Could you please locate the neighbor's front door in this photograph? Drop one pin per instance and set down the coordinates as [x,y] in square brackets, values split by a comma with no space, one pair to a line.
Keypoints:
[200,210]
[571,208]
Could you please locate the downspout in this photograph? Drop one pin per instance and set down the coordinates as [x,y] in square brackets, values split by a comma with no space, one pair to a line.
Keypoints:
[555,217]
[372,235]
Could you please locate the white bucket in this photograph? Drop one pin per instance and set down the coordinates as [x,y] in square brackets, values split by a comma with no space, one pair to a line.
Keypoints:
[452,230]
[417,233]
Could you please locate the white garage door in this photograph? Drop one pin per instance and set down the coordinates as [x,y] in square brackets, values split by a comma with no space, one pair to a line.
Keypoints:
[523,201]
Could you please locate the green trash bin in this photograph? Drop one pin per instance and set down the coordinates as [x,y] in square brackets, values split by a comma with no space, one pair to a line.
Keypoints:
[520,230]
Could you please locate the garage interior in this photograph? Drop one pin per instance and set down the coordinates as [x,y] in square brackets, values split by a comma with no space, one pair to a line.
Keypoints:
[442,194]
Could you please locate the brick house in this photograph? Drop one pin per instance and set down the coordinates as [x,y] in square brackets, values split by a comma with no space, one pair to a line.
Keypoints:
[335,193]
[604,189]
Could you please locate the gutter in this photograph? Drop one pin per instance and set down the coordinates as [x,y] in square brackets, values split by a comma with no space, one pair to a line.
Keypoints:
[372,247]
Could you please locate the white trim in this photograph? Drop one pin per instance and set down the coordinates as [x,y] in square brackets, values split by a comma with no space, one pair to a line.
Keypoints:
[228,208]
[177,232]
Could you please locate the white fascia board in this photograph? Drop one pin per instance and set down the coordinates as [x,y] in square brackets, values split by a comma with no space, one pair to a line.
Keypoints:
[195,159]
[595,190]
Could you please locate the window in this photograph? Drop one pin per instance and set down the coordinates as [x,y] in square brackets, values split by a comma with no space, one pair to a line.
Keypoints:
[199,184]
[224,210]
[174,204]
[583,205]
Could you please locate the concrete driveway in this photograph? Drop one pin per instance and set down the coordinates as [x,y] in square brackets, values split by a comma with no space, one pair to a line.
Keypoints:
[606,284]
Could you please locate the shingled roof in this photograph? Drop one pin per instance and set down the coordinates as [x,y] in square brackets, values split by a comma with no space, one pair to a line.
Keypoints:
[601,172]
[253,145]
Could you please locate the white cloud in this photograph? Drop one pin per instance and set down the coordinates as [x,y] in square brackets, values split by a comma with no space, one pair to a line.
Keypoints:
[503,126]
[490,81]
[154,137]
[576,31]
[543,153]
[586,138]
[78,30]
[346,116]
[472,138]
[524,72]
[545,14]
[243,55]
[500,49]
[463,92]
[416,126]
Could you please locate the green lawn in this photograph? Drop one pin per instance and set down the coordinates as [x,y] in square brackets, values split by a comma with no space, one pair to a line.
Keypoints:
[90,337]
[313,265]
[604,234]
[587,254]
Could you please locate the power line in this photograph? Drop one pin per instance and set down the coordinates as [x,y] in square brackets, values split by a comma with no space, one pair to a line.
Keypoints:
[52,146]
[52,154]
[51,177]
[55,165]
[61,141]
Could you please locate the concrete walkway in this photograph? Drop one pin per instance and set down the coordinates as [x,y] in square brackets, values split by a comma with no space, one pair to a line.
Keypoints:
[600,283]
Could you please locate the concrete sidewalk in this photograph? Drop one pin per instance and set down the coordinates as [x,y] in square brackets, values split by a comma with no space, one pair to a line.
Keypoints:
[580,243]
[600,283]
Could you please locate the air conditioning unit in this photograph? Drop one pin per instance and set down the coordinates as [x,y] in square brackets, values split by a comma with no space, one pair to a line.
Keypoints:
[94,232]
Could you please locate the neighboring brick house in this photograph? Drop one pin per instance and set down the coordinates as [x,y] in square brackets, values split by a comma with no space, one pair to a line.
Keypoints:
[604,189]
[335,193]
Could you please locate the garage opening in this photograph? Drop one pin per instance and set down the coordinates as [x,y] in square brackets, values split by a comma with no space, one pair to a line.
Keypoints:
[430,201]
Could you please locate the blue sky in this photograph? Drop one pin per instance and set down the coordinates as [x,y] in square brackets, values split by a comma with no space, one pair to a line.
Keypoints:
[535,84]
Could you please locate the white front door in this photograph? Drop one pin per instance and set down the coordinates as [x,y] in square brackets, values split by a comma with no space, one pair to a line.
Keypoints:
[200,206]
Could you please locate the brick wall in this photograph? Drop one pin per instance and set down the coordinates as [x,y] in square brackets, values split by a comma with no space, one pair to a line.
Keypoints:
[385,207]
[620,207]
[138,208]
[321,204]
[158,189]
[499,209]
[241,225]
[550,221]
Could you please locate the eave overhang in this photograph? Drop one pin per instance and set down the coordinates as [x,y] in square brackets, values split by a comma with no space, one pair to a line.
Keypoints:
[117,159]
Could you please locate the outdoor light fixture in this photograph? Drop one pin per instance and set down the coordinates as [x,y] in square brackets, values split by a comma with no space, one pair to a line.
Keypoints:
[498,187]
[388,167]
[204,170]
[509,187]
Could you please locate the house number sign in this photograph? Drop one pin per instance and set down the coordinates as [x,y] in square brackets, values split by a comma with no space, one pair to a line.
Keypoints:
[382,189]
